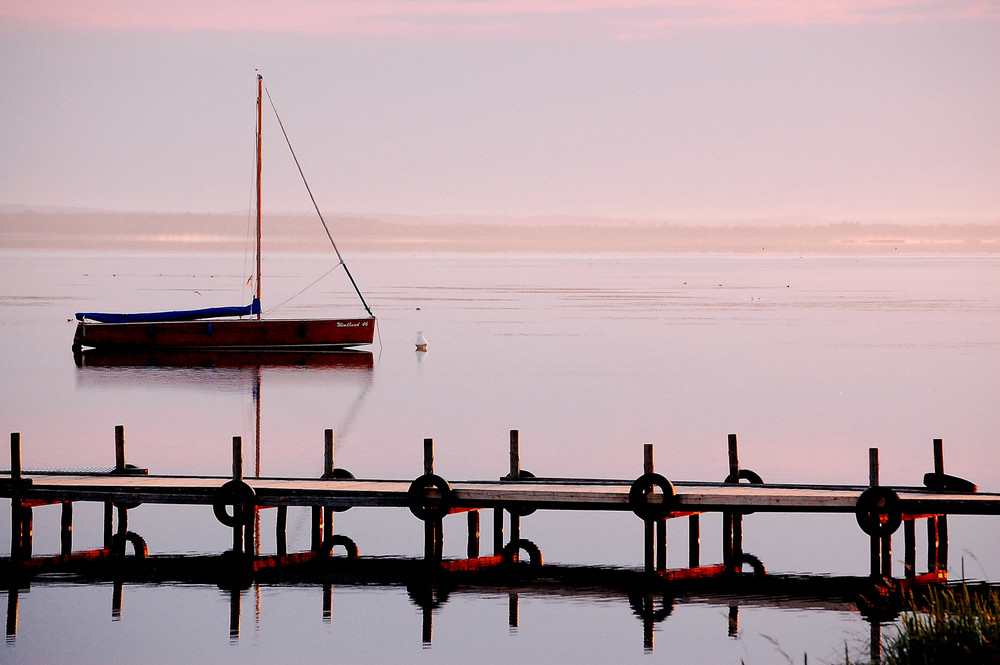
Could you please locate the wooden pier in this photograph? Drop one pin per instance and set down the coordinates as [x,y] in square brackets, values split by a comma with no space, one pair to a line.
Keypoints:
[880,510]
[237,500]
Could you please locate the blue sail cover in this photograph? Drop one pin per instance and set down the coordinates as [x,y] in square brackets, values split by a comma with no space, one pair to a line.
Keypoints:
[181,315]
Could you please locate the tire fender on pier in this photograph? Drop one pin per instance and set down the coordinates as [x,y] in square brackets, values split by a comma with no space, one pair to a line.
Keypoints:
[241,497]
[638,496]
[326,549]
[426,506]
[877,511]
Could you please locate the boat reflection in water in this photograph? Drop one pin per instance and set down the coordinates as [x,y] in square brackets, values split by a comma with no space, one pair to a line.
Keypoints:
[194,358]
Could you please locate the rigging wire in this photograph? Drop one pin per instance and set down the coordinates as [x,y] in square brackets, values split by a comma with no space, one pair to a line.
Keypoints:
[304,289]
[316,206]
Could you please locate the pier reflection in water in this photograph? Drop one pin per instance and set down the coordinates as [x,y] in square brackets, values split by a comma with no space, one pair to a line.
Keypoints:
[651,599]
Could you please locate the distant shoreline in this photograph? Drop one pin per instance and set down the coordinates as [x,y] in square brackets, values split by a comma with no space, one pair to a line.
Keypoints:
[91,230]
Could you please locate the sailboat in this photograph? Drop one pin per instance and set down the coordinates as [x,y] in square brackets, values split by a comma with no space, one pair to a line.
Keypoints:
[233,328]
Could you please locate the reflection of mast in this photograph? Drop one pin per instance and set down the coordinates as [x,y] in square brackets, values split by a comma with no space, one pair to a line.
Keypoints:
[256,398]
[258,370]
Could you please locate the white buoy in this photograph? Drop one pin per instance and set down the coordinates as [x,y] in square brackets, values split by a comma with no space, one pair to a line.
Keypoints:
[421,342]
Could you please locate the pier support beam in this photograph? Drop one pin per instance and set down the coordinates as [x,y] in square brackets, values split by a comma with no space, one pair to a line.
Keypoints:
[732,521]
[433,528]
[655,540]
[238,530]
[694,540]
[909,549]
[473,544]
[326,522]
[515,473]
[937,527]
[21,520]
[66,528]
[880,546]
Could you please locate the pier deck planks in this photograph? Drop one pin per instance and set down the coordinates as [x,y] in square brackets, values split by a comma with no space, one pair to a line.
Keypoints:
[558,494]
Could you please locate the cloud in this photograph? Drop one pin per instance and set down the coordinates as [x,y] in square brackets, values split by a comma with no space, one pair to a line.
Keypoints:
[372,17]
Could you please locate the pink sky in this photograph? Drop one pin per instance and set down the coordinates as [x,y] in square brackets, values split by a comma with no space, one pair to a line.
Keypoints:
[849,110]
[391,16]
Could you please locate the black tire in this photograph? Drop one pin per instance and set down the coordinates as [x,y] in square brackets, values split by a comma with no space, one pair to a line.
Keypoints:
[637,496]
[755,564]
[241,497]
[339,474]
[747,475]
[877,511]
[514,548]
[119,541]
[425,507]
[326,548]
[942,482]
[516,509]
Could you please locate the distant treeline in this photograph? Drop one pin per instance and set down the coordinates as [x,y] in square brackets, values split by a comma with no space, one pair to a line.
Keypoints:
[31,230]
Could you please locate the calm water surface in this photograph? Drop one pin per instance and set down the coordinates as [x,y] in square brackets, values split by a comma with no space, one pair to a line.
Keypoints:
[810,361]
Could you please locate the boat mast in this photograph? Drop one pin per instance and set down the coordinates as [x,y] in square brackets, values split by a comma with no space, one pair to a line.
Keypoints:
[260,87]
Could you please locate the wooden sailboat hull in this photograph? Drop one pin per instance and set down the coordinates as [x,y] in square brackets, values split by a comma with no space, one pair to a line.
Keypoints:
[335,358]
[244,334]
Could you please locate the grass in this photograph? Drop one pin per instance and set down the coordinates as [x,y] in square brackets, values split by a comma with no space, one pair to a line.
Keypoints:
[947,627]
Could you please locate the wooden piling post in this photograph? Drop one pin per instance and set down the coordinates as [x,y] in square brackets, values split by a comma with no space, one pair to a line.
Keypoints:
[316,535]
[15,457]
[20,515]
[941,521]
[515,474]
[428,455]
[909,549]
[122,524]
[734,457]
[238,534]
[694,540]
[327,453]
[732,522]
[66,528]
[119,448]
[433,528]
[327,529]
[649,526]
[875,563]
[280,529]
[880,547]
[473,545]
[660,525]
[886,555]
[498,543]
[873,470]
[238,458]
[26,528]
[515,455]
[15,504]
[109,520]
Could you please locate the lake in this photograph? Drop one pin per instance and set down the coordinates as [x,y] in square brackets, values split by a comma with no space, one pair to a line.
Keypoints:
[810,361]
